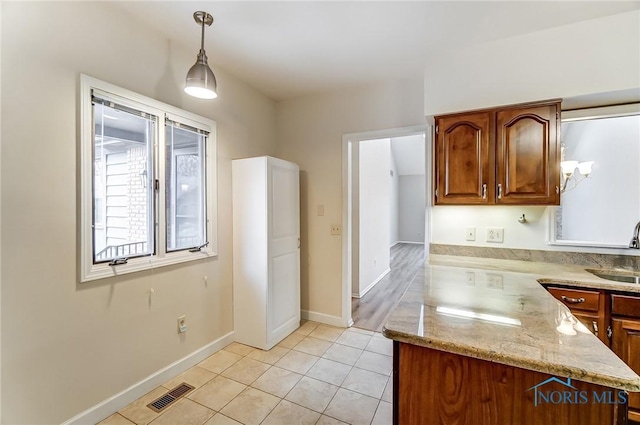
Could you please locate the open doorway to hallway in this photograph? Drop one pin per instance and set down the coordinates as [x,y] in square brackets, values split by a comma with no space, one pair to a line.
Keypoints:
[385,220]
[371,311]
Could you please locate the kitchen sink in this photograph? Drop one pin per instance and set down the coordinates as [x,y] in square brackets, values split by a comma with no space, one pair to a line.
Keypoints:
[626,276]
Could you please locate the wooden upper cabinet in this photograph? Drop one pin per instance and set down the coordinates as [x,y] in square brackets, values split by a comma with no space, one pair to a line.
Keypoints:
[465,168]
[527,152]
[507,155]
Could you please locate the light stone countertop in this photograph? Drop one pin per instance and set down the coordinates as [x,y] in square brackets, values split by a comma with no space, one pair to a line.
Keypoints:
[497,310]
[546,273]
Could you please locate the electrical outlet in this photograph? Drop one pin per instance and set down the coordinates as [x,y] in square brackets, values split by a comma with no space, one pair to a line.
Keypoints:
[182,324]
[471,279]
[471,233]
[495,234]
[336,229]
[495,281]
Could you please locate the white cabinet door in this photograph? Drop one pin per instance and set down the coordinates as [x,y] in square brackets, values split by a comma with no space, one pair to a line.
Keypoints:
[284,248]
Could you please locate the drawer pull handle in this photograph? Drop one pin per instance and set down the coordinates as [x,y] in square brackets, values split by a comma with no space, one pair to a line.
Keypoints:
[573,300]
[595,328]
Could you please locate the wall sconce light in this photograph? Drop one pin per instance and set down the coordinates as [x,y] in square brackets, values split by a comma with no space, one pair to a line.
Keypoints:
[568,171]
[200,80]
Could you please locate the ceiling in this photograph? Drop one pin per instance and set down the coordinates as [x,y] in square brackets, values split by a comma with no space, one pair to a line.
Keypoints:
[296,48]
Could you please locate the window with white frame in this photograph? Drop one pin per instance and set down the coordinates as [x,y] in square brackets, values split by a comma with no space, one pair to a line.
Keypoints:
[148,186]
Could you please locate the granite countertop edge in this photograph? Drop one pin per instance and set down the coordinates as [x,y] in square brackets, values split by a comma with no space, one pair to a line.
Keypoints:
[544,274]
[632,385]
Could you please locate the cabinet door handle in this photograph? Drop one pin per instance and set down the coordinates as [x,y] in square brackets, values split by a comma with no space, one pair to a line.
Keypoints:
[484,191]
[573,300]
[595,328]
[609,332]
[499,190]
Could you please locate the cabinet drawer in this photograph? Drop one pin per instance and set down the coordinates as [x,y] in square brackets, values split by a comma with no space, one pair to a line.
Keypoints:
[624,305]
[578,299]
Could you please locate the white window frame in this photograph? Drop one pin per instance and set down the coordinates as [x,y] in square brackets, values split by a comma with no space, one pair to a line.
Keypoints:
[90,271]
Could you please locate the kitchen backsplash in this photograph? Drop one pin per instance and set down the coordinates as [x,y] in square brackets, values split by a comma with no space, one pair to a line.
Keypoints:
[561,257]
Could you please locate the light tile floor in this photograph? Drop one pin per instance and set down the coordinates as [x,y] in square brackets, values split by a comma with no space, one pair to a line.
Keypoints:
[318,375]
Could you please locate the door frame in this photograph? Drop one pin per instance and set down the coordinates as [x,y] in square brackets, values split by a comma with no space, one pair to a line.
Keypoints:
[347,196]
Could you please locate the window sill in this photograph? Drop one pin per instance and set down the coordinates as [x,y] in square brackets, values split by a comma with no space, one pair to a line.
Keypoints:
[93,272]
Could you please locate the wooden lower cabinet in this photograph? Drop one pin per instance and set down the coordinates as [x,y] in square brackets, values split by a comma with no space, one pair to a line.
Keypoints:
[589,306]
[433,387]
[615,319]
[625,343]
[597,324]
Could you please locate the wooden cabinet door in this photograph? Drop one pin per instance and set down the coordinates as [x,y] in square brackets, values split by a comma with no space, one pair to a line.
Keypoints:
[528,155]
[464,160]
[625,342]
[597,324]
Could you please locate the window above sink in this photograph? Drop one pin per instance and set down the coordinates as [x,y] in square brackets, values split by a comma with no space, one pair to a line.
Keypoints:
[599,208]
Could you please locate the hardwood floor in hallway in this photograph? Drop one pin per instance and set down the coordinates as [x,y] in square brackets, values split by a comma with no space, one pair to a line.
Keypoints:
[371,311]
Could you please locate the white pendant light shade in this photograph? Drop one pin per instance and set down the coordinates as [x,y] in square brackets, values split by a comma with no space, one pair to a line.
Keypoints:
[200,81]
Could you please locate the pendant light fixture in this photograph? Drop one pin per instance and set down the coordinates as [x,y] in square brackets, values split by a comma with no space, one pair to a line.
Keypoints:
[200,79]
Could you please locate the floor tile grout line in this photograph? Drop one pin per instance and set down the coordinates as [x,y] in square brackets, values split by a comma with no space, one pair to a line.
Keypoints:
[375,412]
[332,343]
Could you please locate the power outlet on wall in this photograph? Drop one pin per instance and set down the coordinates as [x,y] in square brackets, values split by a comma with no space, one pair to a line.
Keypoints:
[182,324]
[495,234]
[336,229]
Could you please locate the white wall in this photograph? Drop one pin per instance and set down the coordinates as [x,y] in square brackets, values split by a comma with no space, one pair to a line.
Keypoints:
[1,32]
[412,208]
[310,133]
[394,203]
[375,212]
[67,346]
[594,56]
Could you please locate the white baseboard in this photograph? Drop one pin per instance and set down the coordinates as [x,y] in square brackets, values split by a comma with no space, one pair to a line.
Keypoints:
[371,285]
[321,318]
[415,243]
[111,405]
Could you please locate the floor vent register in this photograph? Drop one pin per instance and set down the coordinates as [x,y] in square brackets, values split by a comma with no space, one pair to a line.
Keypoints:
[166,400]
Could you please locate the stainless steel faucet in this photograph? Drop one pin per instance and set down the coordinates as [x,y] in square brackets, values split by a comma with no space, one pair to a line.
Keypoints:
[635,242]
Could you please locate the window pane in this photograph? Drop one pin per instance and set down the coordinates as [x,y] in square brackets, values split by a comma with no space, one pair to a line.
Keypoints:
[122,193]
[185,188]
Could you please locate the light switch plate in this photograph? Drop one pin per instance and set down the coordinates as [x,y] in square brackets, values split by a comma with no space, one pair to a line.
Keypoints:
[471,233]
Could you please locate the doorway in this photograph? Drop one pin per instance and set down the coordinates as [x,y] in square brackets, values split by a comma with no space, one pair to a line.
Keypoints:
[376,257]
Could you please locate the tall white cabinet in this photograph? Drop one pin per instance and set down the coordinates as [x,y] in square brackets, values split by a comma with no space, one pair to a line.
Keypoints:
[266,250]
